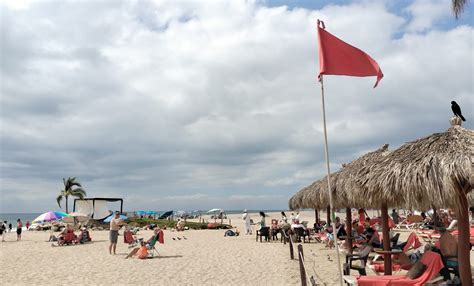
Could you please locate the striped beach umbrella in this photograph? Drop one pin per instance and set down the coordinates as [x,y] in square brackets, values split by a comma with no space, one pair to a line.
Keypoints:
[50,216]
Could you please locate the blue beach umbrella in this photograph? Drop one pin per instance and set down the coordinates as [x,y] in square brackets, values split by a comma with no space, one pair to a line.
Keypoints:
[110,217]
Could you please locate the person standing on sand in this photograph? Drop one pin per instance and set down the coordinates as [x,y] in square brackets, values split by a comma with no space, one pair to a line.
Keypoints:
[115,224]
[10,227]
[3,230]
[19,226]
[246,218]
[27,225]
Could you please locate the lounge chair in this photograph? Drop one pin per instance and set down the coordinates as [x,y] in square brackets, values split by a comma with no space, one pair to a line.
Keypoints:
[433,263]
[275,229]
[412,243]
[129,239]
[300,233]
[263,232]
[152,244]
[361,256]
[68,238]
[410,223]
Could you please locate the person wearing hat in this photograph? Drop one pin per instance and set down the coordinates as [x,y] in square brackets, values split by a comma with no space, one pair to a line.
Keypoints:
[115,224]
[246,219]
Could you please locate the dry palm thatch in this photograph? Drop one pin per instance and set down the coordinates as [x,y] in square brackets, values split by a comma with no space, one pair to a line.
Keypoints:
[343,186]
[308,197]
[427,172]
[346,184]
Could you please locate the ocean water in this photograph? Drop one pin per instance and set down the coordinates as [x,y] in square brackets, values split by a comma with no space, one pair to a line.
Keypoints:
[12,217]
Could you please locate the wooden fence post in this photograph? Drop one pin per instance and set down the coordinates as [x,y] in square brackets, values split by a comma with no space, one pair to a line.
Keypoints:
[302,270]
[292,255]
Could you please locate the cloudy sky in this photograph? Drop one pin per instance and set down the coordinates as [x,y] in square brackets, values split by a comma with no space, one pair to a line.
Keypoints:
[213,104]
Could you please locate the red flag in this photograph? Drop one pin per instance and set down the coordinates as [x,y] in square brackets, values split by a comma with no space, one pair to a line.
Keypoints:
[339,58]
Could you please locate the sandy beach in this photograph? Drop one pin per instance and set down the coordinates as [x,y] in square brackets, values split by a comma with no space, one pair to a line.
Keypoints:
[205,257]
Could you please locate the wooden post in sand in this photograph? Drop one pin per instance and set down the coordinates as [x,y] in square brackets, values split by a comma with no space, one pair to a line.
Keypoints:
[302,270]
[292,255]
[386,241]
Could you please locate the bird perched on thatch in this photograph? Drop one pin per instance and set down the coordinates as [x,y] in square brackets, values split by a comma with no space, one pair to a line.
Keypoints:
[457,110]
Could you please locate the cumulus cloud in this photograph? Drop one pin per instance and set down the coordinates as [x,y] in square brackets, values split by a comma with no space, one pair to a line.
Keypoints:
[209,105]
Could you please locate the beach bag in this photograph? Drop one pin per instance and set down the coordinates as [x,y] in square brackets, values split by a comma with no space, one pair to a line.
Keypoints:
[142,252]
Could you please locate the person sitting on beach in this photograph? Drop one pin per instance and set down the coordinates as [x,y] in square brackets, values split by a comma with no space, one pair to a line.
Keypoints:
[84,236]
[373,238]
[448,247]
[262,220]
[230,232]
[180,225]
[340,230]
[284,219]
[297,224]
[142,251]
[329,237]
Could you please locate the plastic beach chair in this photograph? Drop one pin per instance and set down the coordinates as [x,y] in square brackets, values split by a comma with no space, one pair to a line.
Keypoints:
[433,263]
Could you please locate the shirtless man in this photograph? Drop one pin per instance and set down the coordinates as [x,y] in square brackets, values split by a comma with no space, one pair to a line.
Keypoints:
[448,245]
[115,224]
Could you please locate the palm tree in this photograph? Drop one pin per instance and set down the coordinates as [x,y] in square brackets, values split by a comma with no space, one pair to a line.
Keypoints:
[69,191]
[458,7]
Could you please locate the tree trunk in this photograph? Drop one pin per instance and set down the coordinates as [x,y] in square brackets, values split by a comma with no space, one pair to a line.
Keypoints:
[463,238]
[386,241]
[67,210]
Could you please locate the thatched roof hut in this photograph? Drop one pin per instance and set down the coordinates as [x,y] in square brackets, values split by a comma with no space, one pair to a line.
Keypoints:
[438,171]
[423,173]
[343,186]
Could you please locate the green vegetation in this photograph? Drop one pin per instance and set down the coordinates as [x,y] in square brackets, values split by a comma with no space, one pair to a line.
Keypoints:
[140,222]
[70,191]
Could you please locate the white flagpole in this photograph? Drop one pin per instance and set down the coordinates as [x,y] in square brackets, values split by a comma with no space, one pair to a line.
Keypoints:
[331,205]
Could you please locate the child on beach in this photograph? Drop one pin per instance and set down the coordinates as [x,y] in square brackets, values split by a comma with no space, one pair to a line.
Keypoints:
[10,227]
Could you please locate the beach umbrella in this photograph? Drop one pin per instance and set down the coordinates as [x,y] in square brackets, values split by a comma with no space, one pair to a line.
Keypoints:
[49,217]
[437,170]
[214,210]
[75,217]
[110,217]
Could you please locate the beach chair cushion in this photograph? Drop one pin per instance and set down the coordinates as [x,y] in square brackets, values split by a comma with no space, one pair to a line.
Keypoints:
[416,270]
[433,263]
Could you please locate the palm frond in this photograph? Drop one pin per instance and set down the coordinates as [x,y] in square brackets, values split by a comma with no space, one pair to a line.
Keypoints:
[458,7]
[59,199]
[78,192]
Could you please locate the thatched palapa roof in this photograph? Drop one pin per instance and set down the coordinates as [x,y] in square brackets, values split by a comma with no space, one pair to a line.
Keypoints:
[343,186]
[423,173]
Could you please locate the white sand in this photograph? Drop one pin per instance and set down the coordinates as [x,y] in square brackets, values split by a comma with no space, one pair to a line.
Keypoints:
[205,258]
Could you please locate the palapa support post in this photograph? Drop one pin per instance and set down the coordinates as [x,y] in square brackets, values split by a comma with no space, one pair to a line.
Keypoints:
[316,216]
[328,215]
[349,229]
[331,204]
[292,254]
[463,238]
[302,270]
[386,241]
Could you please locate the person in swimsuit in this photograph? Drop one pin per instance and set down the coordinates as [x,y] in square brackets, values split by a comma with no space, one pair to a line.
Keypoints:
[115,224]
[19,225]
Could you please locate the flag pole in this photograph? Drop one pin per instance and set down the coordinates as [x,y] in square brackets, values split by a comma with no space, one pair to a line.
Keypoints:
[331,205]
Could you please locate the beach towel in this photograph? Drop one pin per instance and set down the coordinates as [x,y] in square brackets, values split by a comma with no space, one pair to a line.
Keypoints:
[433,263]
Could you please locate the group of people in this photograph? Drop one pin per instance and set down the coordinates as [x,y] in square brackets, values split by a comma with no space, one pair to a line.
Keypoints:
[7,227]
[68,236]
[141,252]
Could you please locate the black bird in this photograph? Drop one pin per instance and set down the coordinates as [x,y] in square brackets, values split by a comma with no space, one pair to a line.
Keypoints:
[457,110]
